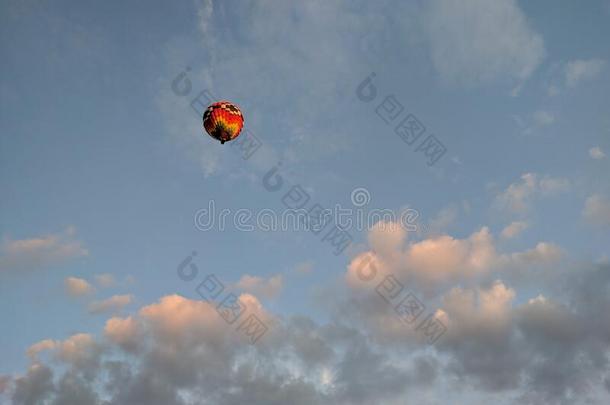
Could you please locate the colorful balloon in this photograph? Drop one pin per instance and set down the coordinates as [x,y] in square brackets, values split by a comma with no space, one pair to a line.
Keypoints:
[223,121]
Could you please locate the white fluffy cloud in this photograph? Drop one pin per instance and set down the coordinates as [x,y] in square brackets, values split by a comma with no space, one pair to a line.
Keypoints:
[363,268]
[39,347]
[472,312]
[431,261]
[123,332]
[444,257]
[480,40]
[79,349]
[77,286]
[437,260]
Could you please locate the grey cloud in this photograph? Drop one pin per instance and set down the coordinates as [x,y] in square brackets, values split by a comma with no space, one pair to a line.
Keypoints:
[34,387]
[547,350]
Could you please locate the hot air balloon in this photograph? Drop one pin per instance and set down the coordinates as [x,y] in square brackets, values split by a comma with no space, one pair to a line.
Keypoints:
[223,121]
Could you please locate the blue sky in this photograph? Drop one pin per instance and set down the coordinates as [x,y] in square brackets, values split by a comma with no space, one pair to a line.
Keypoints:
[103,167]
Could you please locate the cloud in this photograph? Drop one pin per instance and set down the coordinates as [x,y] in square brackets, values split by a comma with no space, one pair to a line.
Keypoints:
[553,90]
[534,124]
[73,389]
[123,332]
[542,253]
[443,219]
[77,287]
[186,350]
[548,320]
[542,351]
[113,304]
[34,387]
[304,267]
[577,71]
[444,257]
[473,313]
[432,263]
[553,185]
[39,252]
[514,229]
[175,317]
[79,349]
[386,238]
[478,41]
[597,210]
[363,268]
[538,350]
[264,288]
[518,196]
[42,346]
[596,153]
[5,383]
[321,57]
[543,118]
[538,120]
[105,280]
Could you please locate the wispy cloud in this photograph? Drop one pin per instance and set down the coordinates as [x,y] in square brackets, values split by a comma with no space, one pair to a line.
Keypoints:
[543,118]
[105,280]
[514,229]
[478,41]
[261,287]
[304,267]
[597,210]
[518,196]
[577,71]
[39,252]
[596,153]
[110,305]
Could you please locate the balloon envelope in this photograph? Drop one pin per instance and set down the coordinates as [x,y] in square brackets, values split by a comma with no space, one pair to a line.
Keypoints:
[223,121]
